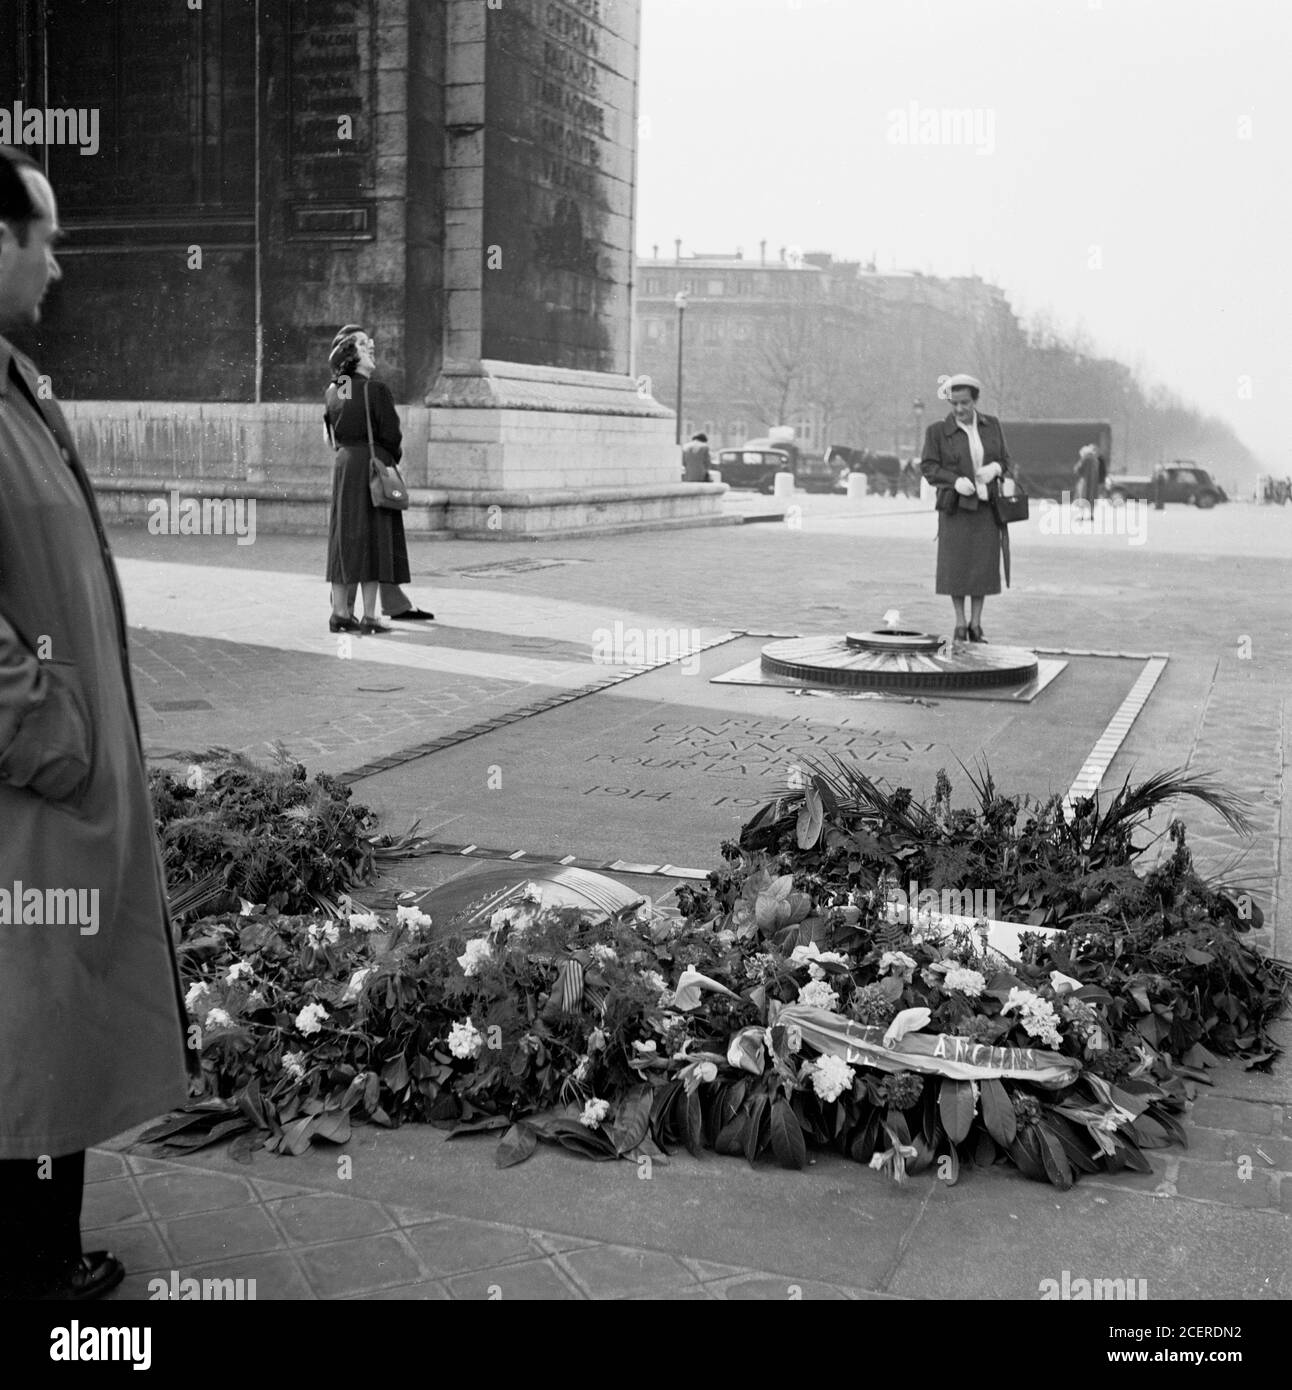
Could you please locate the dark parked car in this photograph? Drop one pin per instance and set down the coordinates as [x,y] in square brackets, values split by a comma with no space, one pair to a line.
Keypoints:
[752,468]
[1185,483]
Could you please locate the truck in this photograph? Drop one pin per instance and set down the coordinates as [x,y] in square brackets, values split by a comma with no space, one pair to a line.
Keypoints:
[1180,481]
[1044,452]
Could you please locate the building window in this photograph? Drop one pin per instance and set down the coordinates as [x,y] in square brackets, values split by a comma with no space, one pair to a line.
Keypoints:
[716,287]
[737,432]
[709,428]
[652,285]
[711,331]
[654,329]
[805,430]
[742,328]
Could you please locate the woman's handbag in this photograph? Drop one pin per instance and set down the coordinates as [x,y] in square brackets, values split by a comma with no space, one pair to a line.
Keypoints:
[384,480]
[1010,509]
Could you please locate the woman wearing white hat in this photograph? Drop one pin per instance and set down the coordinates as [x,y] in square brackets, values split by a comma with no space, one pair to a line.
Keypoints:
[964,458]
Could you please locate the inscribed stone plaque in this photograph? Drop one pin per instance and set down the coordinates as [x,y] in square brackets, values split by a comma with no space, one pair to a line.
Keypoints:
[333,106]
[561,100]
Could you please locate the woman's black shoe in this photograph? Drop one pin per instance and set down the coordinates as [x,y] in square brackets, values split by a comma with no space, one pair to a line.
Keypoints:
[367,626]
[91,1276]
[335,624]
[411,615]
[975,634]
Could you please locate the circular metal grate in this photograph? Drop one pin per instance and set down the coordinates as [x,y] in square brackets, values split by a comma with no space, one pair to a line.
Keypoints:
[836,661]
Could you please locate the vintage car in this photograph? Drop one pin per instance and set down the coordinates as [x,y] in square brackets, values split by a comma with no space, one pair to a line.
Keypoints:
[752,467]
[1178,482]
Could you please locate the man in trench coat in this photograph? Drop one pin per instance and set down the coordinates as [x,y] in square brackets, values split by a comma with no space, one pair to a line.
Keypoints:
[92,1021]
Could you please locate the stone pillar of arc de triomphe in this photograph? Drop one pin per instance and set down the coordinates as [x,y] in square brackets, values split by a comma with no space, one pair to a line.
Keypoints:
[456,175]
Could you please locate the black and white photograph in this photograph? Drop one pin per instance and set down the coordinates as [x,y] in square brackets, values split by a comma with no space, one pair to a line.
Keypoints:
[512,789]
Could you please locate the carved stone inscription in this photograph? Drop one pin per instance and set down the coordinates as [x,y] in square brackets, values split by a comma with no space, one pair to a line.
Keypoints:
[732,750]
[330,56]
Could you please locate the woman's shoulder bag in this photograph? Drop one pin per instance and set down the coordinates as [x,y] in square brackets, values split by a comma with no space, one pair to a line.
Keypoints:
[384,480]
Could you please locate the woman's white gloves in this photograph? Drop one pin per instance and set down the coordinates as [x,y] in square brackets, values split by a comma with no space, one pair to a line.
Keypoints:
[964,487]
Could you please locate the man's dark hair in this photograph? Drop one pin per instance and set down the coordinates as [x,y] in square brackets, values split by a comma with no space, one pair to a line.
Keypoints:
[703,438]
[16,205]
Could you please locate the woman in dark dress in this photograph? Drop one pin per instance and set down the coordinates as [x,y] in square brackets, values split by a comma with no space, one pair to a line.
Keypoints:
[365,543]
[964,458]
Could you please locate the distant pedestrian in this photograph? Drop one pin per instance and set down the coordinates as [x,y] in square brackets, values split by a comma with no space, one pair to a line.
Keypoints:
[366,546]
[696,460]
[964,458]
[92,1021]
[1089,473]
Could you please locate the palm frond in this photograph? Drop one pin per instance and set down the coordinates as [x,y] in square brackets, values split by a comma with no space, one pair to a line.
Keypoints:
[1133,805]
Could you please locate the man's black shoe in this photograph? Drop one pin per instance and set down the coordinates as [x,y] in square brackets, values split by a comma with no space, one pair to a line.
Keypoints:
[411,615]
[91,1276]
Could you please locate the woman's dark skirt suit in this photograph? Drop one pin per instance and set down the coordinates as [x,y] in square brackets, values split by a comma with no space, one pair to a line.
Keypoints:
[365,543]
[969,537]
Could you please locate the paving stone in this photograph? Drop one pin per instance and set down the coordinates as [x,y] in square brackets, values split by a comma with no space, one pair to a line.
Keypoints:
[429,1291]
[355,1266]
[100,1165]
[111,1203]
[323,1216]
[185,1193]
[222,1234]
[1218,1112]
[1219,1146]
[770,1289]
[453,1247]
[617,1271]
[706,1270]
[532,1280]
[1221,1183]
[270,1276]
[139,1246]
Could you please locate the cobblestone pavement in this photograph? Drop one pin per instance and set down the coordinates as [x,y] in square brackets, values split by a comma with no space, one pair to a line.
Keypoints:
[242,631]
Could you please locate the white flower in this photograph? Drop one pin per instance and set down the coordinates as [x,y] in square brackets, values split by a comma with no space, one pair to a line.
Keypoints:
[319,933]
[311,1019]
[466,1040]
[475,956]
[1036,1015]
[596,1040]
[896,960]
[364,921]
[653,980]
[581,1071]
[648,1047]
[594,1111]
[357,981]
[969,982]
[413,917]
[706,1071]
[218,1018]
[241,970]
[816,994]
[1063,984]
[294,1065]
[793,1039]
[256,999]
[815,958]
[831,1077]
[603,954]
[196,993]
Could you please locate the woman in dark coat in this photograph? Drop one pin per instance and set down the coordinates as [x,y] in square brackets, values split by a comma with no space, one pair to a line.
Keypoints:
[964,457]
[365,543]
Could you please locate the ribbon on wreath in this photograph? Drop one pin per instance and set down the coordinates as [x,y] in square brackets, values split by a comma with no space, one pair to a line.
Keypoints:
[937,1054]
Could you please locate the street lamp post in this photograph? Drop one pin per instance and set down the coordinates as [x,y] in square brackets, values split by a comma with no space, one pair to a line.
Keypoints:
[680,300]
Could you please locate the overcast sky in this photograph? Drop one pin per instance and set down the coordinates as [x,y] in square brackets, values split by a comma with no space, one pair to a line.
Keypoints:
[1129,169]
